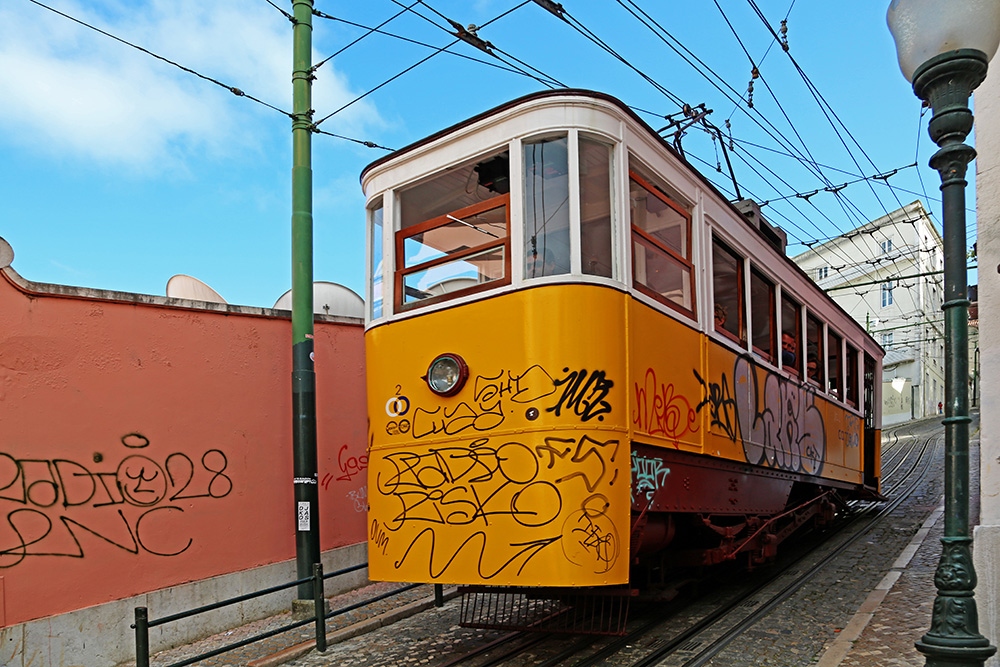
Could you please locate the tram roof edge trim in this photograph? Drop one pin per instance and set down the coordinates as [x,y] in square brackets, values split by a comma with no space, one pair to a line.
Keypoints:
[624,108]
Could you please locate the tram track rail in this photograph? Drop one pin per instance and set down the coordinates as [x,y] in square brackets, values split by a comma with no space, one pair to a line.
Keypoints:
[910,451]
[900,484]
[910,460]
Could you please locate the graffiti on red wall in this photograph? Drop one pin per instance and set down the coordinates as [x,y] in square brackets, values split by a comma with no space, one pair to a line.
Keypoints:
[69,508]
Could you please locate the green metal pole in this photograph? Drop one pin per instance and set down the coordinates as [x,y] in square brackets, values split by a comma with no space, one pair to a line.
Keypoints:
[947,81]
[306,481]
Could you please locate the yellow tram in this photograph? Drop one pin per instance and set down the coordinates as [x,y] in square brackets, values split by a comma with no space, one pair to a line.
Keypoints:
[578,352]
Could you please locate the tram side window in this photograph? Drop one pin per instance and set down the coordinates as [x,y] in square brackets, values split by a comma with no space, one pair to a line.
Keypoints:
[833,365]
[791,335]
[546,207]
[661,245]
[454,234]
[595,207]
[852,375]
[762,314]
[814,350]
[727,281]
[376,259]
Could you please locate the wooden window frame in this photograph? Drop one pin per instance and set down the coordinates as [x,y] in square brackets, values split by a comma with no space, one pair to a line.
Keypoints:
[741,292]
[820,353]
[402,271]
[797,369]
[771,315]
[656,245]
[852,370]
[837,391]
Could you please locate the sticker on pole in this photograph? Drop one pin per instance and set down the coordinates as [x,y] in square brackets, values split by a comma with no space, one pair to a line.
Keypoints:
[303,514]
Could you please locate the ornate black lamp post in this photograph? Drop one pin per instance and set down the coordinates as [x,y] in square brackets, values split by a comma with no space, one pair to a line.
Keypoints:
[944,47]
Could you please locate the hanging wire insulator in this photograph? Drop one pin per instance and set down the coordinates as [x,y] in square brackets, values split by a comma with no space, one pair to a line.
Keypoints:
[754,73]
[784,34]
[750,94]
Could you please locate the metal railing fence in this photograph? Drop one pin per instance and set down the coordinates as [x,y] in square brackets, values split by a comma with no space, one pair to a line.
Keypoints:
[143,623]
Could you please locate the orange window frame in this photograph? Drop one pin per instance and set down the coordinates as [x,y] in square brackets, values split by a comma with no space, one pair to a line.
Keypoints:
[648,240]
[402,271]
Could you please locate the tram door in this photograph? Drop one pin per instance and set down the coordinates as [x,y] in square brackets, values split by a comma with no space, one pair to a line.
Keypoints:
[870,474]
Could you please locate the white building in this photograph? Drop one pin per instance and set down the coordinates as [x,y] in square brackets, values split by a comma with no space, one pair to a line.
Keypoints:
[887,275]
[986,551]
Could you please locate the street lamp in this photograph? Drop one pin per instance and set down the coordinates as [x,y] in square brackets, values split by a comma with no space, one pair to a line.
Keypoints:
[944,47]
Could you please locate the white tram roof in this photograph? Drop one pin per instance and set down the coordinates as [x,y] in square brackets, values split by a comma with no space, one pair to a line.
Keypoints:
[600,114]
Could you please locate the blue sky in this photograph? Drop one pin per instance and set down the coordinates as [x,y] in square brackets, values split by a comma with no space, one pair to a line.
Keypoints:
[120,170]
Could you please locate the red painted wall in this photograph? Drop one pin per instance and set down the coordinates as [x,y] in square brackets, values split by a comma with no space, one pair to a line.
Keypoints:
[144,445]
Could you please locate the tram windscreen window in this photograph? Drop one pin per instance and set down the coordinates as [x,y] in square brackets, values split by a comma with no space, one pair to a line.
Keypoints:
[814,350]
[833,365]
[791,334]
[762,314]
[727,280]
[546,208]
[376,259]
[595,208]
[455,189]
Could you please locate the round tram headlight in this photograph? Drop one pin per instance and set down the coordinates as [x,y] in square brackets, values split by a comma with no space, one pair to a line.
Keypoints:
[447,374]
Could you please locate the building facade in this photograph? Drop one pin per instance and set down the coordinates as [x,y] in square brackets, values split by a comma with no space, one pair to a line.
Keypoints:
[887,275]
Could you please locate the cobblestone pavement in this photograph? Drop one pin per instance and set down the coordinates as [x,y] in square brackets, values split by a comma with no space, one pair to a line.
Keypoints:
[868,610]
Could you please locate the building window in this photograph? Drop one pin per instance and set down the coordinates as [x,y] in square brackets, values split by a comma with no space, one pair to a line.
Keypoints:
[727,283]
[886,340]
[886,246]
[822,272]
[661,245]
[887,294]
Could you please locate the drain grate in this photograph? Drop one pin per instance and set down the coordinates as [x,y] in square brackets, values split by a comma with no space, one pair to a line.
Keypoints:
[575,611]
[690,645]
[749,604]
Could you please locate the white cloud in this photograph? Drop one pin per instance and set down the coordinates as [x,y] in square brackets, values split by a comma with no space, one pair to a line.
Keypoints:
[90,96]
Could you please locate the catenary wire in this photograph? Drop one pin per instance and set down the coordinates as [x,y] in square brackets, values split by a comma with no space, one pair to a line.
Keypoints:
[233,89]
[417,42]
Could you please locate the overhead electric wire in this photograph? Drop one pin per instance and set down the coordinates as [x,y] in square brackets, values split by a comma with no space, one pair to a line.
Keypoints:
[648,20]
[286,14]
[859,220]
[233,89]
[384,83]
[589,34]
[423,60]
[481,61]
[704,70]
[824,106]
[804,195]
[545,79]
[370,31]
